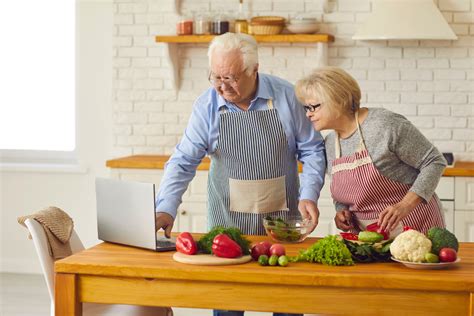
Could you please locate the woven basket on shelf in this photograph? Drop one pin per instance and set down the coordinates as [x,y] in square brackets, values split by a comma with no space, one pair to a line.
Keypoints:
[267,25]
[265,29]
[268,19]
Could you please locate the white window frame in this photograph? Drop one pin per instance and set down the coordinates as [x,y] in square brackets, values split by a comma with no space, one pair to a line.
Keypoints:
[48,160]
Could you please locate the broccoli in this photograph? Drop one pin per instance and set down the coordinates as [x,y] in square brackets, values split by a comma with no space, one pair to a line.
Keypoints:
[442,238]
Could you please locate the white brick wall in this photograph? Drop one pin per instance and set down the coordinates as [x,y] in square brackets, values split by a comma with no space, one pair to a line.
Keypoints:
[430,82]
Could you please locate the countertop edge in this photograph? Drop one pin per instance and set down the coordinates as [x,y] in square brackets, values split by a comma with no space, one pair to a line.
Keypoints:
[460,168]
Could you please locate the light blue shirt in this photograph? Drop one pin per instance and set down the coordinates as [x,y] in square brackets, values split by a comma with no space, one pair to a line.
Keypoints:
[201,134]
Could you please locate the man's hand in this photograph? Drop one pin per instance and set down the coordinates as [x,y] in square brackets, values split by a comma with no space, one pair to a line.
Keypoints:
[343,220]
[164,221]
[309,210]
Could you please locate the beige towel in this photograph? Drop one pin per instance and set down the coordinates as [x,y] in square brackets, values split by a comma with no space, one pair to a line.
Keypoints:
[58,227]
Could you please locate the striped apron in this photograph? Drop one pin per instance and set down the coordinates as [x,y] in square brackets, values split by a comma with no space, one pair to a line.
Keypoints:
[253,173]
[356,182]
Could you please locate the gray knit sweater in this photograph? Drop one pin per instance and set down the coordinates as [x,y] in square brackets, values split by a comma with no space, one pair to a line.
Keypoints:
[398,149]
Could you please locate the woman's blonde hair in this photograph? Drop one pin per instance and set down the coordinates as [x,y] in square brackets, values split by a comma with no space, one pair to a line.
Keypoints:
[333,86]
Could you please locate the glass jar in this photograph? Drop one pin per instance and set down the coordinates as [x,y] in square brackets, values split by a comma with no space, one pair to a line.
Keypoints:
[241,26]
[201,25]
[185,26]
[220,25]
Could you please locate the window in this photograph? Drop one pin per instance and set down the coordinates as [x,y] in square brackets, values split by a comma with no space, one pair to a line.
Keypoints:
[37,71]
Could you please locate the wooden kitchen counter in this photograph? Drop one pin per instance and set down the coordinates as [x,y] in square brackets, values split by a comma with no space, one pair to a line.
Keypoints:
[109,273]
[460,168]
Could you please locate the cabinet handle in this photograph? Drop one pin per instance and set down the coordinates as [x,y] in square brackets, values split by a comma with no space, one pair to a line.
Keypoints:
[183,212]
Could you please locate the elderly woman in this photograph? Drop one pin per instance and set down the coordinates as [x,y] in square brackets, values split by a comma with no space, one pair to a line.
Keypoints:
[383,170]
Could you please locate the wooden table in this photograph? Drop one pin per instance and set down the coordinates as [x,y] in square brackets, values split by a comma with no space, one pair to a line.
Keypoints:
[109,273]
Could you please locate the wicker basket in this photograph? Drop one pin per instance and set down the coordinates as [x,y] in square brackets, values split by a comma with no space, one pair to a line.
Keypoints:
[265,29]
[267,25]
[268,20]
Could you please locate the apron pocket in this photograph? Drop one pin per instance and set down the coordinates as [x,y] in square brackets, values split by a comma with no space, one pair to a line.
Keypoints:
[258,196]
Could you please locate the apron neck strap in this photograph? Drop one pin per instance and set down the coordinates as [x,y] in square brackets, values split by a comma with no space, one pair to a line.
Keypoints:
[361,142]
[270,104]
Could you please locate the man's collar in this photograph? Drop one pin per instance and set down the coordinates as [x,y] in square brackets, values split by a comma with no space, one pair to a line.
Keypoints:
[263,92]
[263,89]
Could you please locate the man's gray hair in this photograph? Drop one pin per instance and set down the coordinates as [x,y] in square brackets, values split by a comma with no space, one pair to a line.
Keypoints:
[246,44]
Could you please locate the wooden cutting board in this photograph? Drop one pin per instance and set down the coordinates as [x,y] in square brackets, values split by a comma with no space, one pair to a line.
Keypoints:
[209,260]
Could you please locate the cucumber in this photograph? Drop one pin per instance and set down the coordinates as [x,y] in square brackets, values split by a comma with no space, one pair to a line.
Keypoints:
[366,236]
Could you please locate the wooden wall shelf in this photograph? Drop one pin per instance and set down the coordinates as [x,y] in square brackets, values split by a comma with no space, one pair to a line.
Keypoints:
[172,42]
[279,38]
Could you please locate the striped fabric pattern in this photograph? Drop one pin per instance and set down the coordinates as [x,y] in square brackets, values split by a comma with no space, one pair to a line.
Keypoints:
[252,145]
[367,193]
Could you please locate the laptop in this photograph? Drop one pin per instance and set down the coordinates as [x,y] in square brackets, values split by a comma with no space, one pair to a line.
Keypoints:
[126,214]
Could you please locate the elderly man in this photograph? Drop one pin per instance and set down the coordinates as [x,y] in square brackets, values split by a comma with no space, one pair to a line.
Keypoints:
[254,130]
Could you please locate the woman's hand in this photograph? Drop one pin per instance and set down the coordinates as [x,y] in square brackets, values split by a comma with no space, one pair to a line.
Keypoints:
[343,220]
[309,210]
[391,217]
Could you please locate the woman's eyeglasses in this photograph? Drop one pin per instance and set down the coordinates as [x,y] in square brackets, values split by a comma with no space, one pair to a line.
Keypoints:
[311,107]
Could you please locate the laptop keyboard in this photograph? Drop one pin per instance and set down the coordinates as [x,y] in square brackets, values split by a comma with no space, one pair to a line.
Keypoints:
[165,243]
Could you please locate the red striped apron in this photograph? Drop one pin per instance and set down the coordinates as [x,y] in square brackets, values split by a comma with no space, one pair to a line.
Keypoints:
[357,183]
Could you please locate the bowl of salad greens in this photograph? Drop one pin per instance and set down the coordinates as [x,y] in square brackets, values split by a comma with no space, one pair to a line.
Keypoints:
[291,229]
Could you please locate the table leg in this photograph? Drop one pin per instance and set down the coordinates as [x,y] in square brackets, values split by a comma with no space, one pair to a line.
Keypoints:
[66,296]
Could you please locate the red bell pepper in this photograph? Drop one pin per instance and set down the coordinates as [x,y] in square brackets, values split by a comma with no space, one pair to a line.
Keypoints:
[349,236]
[224,246]
[185,244]
[374,227]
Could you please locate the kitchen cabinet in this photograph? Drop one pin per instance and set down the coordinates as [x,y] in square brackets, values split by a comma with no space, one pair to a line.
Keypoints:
[464,223]
[464,204]
[172,42]
[445,192]
[457,197]
[464,193]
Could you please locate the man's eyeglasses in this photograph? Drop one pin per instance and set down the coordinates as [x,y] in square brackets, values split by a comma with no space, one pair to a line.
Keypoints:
[311,107]
[218,81]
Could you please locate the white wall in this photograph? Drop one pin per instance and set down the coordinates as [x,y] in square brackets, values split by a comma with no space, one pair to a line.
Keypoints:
[24,192]
[430,82]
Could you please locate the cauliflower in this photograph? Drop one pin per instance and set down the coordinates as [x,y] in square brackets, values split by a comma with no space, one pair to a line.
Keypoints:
[410,246]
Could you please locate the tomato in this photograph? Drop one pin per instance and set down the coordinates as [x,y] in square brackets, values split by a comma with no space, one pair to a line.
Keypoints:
[447,255]
[277,249]
[261,248]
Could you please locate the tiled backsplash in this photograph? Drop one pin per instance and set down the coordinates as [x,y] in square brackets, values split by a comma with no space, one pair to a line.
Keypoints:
[430,82]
